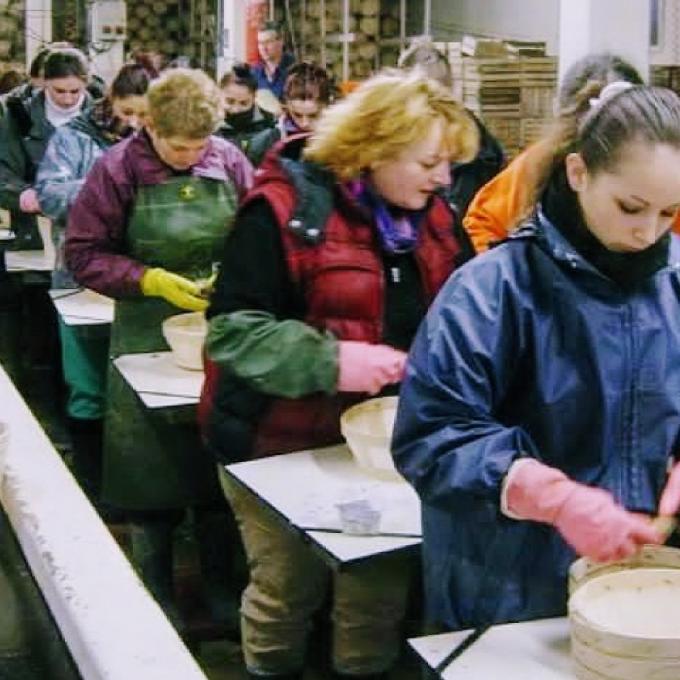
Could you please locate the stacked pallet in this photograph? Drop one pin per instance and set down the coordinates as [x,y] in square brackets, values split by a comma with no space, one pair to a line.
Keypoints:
[666,76]
[513,94]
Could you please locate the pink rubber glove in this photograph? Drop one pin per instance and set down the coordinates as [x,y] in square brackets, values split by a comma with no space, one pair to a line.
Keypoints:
[363,367]
[588,518]
[28,201]
[670,498]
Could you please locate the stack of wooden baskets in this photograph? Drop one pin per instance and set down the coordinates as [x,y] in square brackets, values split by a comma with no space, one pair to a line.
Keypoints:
[156,26]
[372,35]
[625,618]
[513,94]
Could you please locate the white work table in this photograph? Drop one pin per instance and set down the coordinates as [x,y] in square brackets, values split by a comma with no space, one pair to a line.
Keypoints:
[28,261]
[82,307]
[532,650]
[31,260]
[304,487]
[158,381]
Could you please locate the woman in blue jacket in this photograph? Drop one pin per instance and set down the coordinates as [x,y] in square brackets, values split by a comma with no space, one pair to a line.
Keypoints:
[540,412]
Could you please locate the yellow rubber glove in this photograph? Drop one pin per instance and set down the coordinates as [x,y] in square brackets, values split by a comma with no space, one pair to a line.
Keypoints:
[177,290]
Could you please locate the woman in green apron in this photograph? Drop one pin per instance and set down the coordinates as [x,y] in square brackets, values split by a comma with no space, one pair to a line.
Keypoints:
[148,224]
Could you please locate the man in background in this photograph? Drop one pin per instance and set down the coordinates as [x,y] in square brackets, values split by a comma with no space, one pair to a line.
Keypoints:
[274,62]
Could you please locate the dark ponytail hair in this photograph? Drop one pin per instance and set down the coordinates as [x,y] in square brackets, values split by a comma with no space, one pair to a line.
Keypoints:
[65,62]
[306,80]
[240,74]
[601,69]
[131,80]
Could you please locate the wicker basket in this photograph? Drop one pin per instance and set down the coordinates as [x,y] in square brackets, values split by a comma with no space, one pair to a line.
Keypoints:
[624,616]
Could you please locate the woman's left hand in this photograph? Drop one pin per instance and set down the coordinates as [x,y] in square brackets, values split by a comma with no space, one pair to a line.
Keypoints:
[670,498]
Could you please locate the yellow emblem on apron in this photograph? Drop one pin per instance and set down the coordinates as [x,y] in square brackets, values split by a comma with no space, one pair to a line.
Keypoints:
[187,192]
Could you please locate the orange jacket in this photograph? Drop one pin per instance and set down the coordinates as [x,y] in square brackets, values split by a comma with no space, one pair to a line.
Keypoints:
[501,202]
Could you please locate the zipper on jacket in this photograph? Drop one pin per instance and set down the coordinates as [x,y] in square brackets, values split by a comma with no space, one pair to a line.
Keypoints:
[628,490]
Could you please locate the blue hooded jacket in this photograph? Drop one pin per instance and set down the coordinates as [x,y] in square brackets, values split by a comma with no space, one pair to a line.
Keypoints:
[528,350]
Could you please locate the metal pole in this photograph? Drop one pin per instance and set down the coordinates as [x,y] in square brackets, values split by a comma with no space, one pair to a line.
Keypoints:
[427,18]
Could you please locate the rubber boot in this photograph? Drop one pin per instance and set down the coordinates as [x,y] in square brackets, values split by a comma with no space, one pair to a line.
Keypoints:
[86,450]
[86,447]
[222,562]
[152,552]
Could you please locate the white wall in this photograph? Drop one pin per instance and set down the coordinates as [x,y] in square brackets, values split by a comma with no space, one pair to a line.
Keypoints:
[518,19]
[626,34]
[668,52]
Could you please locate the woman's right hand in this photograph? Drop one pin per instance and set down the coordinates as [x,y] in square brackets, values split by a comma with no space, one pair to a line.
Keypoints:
[599,528]
[364,367]
[176,289]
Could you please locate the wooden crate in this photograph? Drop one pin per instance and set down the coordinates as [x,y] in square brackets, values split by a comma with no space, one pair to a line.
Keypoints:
[533,129]
[538,102]
[508,131]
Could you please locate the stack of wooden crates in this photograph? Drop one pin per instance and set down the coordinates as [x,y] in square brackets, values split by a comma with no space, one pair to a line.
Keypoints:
[513,94]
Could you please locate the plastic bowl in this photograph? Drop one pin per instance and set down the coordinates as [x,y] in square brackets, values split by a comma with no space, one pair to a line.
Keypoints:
[185,333]
[367,428]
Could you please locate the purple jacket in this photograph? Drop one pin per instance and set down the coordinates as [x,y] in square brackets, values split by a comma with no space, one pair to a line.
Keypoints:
[97,222]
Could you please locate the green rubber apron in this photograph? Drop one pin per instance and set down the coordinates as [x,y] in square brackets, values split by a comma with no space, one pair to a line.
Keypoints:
[154,460]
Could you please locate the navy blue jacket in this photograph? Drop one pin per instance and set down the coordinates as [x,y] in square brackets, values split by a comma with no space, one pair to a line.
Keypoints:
[529,351]
[278,77]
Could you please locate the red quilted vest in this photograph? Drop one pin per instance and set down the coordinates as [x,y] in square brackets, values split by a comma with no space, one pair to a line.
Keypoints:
[342,281]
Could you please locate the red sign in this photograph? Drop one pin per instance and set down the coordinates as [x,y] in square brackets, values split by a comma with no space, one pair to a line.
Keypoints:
[257,12]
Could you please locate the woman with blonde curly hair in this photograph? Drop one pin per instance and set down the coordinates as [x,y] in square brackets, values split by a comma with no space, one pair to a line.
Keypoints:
[145,229]
[332,263]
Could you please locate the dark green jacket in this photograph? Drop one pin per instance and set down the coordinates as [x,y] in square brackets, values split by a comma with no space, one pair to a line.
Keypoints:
[24,134]
[242,135]
[261,143]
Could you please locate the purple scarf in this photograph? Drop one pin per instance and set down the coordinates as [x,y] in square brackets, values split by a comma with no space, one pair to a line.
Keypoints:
[397,228]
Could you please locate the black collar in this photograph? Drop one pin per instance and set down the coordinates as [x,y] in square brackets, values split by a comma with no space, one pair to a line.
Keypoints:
[628,270]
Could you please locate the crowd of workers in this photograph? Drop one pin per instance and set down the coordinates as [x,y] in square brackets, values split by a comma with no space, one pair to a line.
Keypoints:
[539,383]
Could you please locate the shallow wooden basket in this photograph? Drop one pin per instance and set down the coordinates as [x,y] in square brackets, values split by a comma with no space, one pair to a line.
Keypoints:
[185,333]
[367,428]
[625,617]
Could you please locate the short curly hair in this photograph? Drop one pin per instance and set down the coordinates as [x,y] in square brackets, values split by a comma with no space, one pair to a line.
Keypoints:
[383,116]
[184,103]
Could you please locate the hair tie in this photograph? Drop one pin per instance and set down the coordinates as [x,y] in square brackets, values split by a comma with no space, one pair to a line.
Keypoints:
[609,91]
